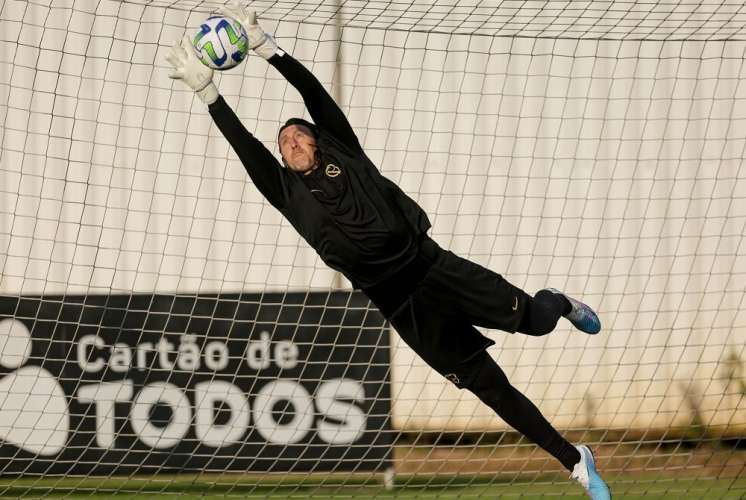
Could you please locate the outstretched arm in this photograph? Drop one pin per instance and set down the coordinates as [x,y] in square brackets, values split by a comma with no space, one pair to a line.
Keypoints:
[268,175]
[326,114]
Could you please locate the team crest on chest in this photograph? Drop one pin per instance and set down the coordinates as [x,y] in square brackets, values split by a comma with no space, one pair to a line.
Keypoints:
[332,170]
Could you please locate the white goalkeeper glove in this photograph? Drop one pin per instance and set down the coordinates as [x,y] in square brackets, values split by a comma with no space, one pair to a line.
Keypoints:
[190,70]
[260,42]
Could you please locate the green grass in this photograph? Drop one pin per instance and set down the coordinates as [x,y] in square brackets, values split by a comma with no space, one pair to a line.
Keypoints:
[360,488]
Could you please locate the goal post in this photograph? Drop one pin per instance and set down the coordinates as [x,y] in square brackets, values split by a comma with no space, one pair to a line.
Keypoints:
[149,295]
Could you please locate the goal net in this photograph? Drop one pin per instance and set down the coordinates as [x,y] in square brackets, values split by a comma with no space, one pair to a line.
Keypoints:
[164,331]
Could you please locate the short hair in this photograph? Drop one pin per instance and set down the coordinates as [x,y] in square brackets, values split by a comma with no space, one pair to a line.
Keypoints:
[300,121]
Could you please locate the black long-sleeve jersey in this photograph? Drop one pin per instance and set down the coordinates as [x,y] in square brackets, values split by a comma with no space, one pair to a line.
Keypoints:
[359,222]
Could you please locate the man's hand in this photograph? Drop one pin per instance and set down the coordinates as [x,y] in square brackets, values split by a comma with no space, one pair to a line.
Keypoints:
[259,41]
[190,70]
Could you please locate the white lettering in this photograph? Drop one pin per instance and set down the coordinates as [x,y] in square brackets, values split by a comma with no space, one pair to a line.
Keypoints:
[164,348]
[141,355]
[299,408]
[121,357]
[283,412]
[175,429]
[188,356]
[84,361]
[104,396]
[230,398]
[216,355]
[286,355]
[351,418]
[257,352]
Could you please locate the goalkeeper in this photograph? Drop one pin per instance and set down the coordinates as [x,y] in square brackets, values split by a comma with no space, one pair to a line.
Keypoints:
[364,226]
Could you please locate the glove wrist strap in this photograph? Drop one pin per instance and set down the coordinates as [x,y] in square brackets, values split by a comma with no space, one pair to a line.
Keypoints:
[267,48]
[209,94]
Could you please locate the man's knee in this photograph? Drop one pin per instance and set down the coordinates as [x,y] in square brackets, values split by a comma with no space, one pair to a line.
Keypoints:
[541,314]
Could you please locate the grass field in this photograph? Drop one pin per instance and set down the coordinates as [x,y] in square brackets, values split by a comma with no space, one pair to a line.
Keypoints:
[460,487]
[706,472]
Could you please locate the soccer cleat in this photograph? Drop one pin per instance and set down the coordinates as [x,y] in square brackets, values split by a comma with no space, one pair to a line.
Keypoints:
[582,317]
[585,473]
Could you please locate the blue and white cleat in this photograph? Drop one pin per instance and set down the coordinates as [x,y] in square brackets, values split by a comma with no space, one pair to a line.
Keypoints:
[585,473]
[582,317]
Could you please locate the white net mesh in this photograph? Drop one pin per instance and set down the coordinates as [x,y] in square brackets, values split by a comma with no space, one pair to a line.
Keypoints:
[591,146]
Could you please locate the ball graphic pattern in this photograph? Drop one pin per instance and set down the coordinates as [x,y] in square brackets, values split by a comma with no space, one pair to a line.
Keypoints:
[221,42]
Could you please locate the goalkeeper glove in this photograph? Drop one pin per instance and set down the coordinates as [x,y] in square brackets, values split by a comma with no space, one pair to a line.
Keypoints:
[190,70]
[260,42]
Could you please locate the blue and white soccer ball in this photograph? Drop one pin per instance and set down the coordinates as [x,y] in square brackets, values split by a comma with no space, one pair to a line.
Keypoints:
[221,42]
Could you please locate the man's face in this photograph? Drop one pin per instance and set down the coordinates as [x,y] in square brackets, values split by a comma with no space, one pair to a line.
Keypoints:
[298,148]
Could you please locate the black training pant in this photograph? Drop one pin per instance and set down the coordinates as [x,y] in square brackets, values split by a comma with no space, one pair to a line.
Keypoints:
[436,302]
[492,387]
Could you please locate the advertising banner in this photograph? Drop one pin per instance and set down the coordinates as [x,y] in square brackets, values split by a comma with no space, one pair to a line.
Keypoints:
[125,384]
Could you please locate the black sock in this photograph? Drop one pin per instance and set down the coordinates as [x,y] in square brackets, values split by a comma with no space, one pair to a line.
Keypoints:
[566,307]
[554,301]
[570,458]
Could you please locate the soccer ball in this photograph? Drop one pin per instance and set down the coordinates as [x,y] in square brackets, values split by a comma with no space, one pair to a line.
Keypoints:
[221,42]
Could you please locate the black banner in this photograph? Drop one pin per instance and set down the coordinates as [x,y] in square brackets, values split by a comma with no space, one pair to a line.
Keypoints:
[124,384]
